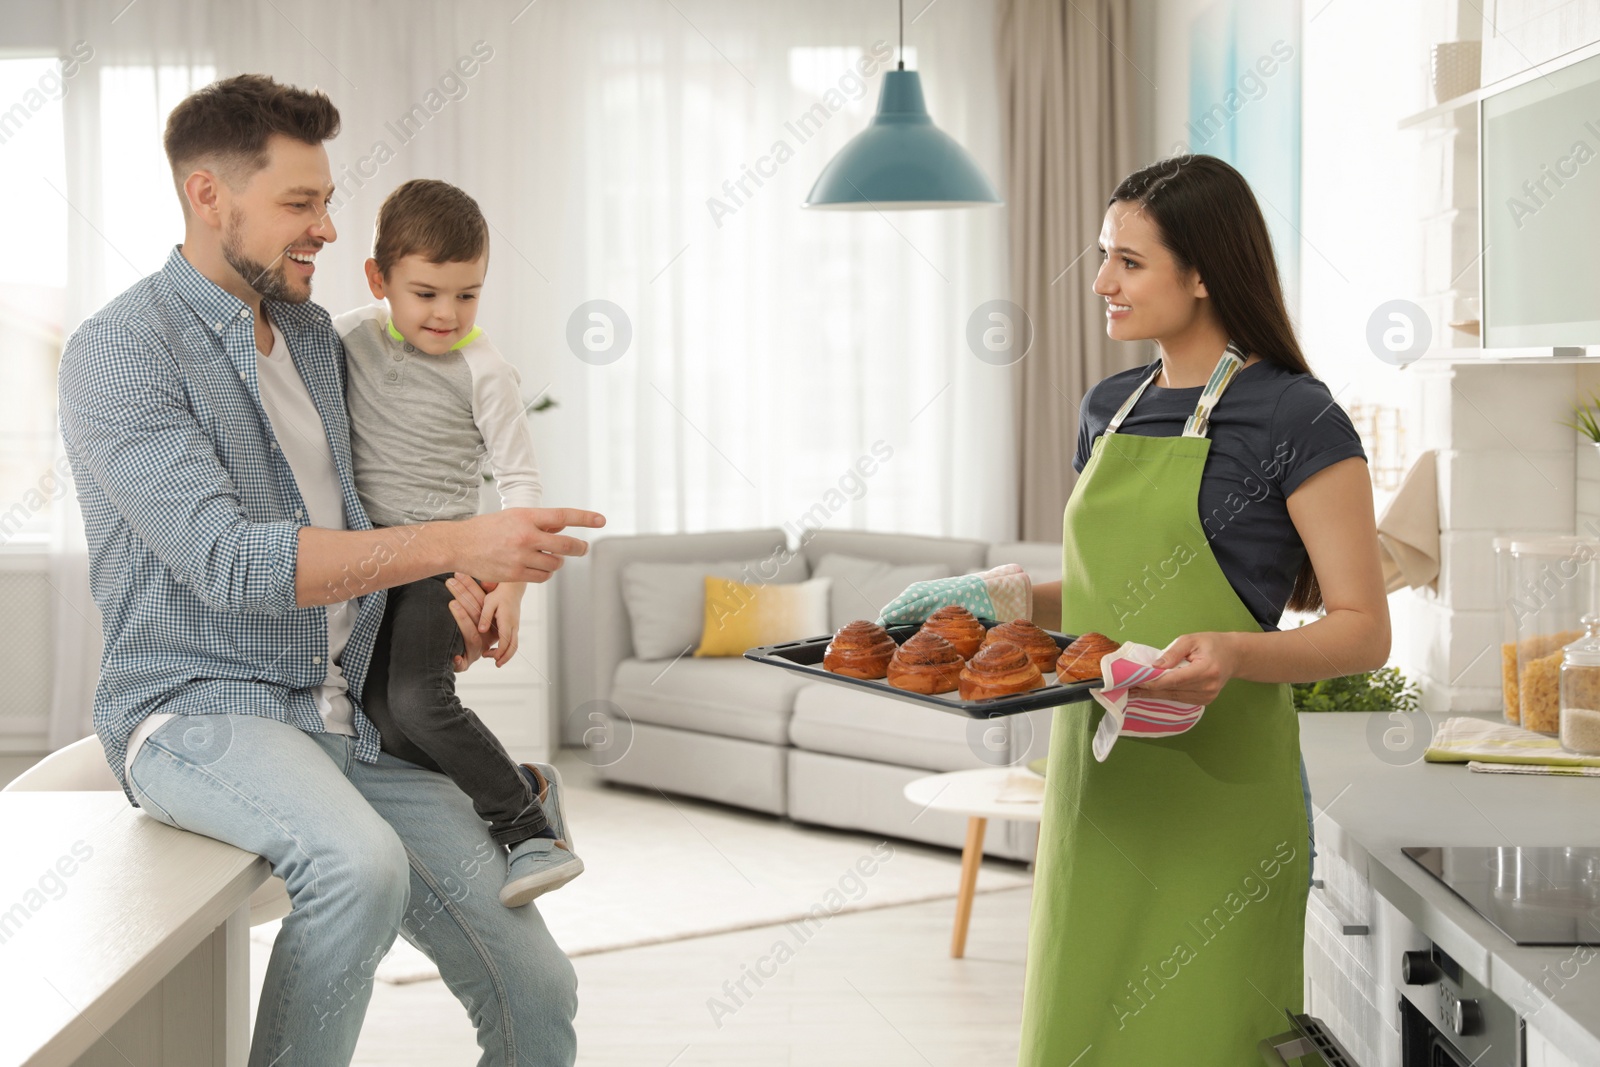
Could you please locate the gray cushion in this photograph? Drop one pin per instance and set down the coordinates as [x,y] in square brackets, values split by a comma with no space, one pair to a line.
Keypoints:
[899,549]
[830,718]
[730,697]
[591,592]
[861,587]
[667,601]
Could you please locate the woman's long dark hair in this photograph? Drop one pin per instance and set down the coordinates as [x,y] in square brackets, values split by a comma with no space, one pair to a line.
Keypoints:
[1209,220]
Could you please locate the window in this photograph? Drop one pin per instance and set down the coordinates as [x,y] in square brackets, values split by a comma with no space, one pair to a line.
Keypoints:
[140,218]
[33,283]
[128,222]
[779,355]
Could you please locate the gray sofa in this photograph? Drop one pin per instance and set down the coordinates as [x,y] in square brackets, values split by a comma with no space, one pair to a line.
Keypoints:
[757,737]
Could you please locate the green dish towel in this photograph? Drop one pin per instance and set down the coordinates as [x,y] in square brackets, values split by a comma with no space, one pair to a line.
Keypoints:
[1463,740]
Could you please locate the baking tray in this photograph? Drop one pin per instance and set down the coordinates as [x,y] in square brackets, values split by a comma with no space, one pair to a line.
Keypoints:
[805,657]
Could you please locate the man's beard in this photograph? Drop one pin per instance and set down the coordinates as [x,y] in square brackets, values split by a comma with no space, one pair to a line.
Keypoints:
[272,282]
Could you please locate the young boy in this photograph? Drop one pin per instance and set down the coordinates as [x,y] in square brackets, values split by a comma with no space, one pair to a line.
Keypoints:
[432,404]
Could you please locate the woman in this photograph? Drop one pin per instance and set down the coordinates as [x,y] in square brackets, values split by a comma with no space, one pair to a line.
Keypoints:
[1169,906]
[1169,903]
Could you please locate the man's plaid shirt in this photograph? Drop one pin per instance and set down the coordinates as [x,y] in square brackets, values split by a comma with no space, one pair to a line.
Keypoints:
[192,513]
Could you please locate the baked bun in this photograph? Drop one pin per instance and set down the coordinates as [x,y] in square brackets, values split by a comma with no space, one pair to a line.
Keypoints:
[998,670]
[860,649]
[1032,639]
[1080,661]
[926,663]
[958,626]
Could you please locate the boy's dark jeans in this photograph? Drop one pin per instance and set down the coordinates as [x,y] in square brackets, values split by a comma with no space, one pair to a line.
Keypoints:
[411,697]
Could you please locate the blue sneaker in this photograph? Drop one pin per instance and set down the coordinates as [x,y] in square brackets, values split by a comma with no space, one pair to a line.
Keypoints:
[546,782]
[540,864]
[535,867]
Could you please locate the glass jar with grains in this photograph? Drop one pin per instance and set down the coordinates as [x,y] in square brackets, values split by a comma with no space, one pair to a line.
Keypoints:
[1580,691]
[1552,587]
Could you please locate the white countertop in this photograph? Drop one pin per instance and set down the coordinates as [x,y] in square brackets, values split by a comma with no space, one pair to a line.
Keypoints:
[103,901]
[1368,808]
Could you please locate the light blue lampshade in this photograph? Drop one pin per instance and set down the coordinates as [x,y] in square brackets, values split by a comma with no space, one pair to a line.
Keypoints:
[901,161]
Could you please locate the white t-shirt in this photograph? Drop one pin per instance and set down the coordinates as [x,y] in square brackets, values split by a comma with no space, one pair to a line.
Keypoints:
[299,432]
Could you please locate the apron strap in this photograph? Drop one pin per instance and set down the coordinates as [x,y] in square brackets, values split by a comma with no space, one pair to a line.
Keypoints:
[1199,424]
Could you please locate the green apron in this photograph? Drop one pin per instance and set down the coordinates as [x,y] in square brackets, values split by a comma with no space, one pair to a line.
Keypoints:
[1169,897]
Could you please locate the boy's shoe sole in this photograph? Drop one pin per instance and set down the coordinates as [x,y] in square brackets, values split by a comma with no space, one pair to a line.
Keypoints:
[516,893]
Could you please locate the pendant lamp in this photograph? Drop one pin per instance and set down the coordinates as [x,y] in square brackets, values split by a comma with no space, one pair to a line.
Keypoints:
[902,161]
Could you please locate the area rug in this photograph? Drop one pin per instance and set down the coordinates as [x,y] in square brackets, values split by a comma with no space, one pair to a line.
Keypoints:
[661,868]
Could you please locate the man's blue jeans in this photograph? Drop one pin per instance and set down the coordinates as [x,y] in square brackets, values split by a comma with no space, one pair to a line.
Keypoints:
[367,851]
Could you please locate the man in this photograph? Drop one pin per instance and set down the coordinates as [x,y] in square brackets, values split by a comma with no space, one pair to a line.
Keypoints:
[241,585]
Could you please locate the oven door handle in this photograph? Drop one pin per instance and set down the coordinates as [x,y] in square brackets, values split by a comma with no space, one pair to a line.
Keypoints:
[1278,1051]
[1310,1037]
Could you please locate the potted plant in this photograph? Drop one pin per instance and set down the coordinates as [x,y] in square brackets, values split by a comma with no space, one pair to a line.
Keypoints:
[1585,422]
[1385,689]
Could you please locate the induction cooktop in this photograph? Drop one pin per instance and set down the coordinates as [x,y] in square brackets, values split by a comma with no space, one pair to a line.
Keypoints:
[1534,895]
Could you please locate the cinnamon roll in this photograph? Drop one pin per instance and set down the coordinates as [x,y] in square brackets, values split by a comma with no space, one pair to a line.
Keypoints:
[860,649]
[926,663]
[999,669]
[958,626]
[1080,661]
[1032,639]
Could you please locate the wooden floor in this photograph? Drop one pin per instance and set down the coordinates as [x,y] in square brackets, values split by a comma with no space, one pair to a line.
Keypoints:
[875,987]
[870,988]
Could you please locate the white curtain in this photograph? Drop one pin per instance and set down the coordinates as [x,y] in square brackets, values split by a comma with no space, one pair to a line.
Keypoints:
[771,347]
[774,346]
[123,218]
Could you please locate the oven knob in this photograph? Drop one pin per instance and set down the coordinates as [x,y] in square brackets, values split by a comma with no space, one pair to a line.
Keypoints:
[1418,968]
[1464,1017]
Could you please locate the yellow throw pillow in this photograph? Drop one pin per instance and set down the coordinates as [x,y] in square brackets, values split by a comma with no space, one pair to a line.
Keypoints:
[741,615]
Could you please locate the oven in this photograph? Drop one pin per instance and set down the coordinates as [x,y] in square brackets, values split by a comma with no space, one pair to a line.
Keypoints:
[1538,897]
[1447,1019]
[1450,1019]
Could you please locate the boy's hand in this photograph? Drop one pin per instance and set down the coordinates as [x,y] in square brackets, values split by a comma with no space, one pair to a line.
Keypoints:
[502,611]
[466,609]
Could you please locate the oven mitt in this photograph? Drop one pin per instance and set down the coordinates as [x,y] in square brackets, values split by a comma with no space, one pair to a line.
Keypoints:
[1003,594]
[1121,670]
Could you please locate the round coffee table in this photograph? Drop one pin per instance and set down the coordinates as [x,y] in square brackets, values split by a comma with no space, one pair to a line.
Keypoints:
[975,795]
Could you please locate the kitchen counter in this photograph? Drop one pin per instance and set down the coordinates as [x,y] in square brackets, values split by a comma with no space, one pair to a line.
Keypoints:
[1369,803]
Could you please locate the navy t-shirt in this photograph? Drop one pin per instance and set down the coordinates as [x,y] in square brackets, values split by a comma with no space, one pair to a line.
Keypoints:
[1272,429]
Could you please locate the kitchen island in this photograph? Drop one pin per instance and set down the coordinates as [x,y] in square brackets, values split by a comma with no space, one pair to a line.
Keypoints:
[1373,795]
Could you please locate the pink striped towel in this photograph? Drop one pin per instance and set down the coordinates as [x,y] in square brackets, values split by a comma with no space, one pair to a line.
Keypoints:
[1123,669]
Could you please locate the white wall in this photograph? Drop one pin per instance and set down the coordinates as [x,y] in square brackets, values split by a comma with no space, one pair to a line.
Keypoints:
[1360,244]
